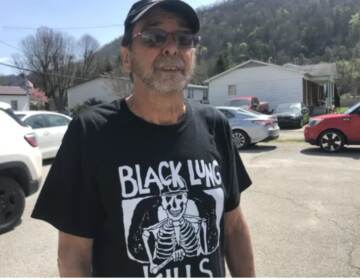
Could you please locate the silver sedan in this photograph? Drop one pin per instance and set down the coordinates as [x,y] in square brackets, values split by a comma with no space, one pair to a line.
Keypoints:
[249,127]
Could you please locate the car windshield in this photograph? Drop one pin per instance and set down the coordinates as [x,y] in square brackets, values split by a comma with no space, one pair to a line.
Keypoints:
[284,108]
[352,108]
[239,102]
[20,116]
[11,113]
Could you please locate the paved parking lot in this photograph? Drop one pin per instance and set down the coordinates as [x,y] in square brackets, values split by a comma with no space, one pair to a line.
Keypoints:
[303,209]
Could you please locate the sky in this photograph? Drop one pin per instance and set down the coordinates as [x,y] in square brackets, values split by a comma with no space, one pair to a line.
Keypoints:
[20,18]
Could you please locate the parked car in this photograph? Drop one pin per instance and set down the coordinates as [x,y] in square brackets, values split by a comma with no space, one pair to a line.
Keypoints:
[331,132]
[273,117]
[249,128]
[250,103]
[20,167]
[292,114]
[49,127]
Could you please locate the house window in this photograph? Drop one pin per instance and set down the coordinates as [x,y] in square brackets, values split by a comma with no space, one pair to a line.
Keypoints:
[190,93]
[14,104]
[231,90]
[205,96]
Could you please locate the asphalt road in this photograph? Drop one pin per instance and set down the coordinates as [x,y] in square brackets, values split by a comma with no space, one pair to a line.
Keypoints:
[303,210]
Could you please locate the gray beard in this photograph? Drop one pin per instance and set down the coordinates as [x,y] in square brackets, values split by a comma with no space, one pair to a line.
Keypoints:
[167,85]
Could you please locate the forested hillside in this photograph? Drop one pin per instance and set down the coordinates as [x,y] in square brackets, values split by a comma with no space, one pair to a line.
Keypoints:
[281,31]
[277,31]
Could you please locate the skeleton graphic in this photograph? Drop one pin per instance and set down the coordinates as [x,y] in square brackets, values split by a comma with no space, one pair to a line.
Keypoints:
[178,235]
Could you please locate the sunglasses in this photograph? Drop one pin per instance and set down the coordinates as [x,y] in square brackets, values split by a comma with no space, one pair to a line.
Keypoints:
[157,38]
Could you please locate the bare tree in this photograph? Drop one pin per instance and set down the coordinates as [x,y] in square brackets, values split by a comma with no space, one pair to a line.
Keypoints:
[51,56]
[87,46]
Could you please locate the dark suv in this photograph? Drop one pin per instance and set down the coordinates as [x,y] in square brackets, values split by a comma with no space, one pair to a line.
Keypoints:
[292,114]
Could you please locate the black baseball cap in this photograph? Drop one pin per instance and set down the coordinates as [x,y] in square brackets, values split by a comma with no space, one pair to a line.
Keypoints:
[140,8]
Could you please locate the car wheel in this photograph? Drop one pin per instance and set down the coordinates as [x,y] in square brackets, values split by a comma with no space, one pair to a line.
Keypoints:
[12,203]
[331,141]
[240,139]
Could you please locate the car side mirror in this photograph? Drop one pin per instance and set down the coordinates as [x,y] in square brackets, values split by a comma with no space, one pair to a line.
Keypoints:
[304,111]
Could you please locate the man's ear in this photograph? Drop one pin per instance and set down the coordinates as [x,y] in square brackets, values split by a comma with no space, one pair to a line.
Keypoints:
[125,59]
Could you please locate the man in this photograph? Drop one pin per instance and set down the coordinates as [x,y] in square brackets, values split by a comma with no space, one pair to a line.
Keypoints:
[150,185]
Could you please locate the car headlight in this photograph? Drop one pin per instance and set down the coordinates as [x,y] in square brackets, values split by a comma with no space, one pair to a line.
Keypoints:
[314,122]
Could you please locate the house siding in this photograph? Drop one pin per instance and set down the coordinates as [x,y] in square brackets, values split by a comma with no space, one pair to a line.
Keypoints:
[270,84]
[196,93]
[22,101]
[101,89]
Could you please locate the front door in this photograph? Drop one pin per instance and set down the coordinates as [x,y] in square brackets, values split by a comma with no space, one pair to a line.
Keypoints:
[355,126]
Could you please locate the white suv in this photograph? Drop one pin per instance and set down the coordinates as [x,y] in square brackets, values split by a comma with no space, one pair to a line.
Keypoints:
[20,167]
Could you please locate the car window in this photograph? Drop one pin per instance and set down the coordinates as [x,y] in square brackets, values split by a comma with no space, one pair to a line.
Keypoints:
[351,109]
[36,122]
[11,114]
[54,120]
[288,107]
[227,114]
[357,111]
[20,116]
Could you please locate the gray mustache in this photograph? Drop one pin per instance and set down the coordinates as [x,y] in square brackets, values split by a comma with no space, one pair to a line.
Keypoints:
[169,62]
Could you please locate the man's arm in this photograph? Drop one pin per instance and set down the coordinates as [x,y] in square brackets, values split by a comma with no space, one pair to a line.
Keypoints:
[238,249]
[74,255]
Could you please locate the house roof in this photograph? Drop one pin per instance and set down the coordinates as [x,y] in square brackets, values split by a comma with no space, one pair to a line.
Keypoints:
[196,86]
[250,64]
[313,70]
[12,90]
[316,70]
[102,76]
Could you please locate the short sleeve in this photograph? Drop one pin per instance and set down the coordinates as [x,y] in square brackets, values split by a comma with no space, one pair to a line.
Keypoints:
[69,199]
[235,176]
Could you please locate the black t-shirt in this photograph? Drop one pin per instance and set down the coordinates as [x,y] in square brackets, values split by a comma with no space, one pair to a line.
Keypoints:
[151,196]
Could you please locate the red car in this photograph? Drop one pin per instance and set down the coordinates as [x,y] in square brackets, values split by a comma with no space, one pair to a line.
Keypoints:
[331,132]
[250,103]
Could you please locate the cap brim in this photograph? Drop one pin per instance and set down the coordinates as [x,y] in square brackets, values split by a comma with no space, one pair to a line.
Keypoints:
[178,7]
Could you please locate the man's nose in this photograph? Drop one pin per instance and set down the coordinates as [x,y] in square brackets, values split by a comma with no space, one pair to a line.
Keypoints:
[170,47]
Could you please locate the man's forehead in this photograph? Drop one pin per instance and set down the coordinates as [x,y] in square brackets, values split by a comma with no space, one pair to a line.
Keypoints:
[158,16]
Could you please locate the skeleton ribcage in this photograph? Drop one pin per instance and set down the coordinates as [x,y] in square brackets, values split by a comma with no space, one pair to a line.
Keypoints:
[166,242]
[189,239]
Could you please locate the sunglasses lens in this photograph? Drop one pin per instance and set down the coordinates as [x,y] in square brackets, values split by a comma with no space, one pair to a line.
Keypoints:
[184,40]
[153,38]
[157,38]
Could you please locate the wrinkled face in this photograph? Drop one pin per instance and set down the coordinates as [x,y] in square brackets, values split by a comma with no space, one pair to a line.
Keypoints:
[165,69]
[174,205]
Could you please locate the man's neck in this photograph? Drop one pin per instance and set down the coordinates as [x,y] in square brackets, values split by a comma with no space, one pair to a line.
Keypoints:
[157,108]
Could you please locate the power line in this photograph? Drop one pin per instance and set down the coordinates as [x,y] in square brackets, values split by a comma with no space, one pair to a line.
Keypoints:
[8,45]
[60,75]
[43,73]
[64,28]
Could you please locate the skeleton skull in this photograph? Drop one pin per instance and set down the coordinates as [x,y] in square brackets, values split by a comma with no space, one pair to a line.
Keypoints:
[174,204]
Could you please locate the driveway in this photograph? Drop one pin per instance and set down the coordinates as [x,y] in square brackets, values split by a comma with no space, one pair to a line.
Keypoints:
[303,210]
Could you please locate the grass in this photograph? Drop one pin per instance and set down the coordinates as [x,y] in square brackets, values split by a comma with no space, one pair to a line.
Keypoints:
[341,110]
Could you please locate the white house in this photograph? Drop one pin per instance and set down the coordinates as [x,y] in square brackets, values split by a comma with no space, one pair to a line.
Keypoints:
[103,88]
[17,97]
[197,93]
[314,85]
[107,89]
